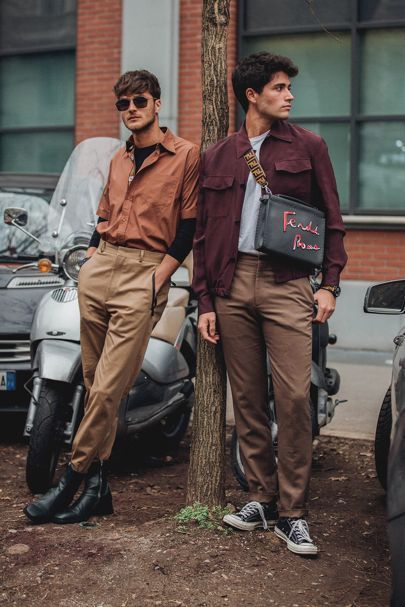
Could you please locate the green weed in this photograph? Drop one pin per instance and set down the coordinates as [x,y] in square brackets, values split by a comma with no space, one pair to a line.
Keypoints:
[201,516]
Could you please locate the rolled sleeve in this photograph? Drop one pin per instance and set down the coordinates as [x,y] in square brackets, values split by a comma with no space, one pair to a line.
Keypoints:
[200,285]
[335,257]
[189,194]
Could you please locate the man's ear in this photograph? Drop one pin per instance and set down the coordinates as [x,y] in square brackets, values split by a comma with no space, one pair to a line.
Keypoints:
[251,95]
[158,104]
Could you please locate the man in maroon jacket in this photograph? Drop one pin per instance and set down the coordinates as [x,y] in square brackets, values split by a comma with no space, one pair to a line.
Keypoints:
[256,303]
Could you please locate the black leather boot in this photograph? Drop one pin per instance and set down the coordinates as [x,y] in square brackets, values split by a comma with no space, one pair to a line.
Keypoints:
[96,499]
[56,499]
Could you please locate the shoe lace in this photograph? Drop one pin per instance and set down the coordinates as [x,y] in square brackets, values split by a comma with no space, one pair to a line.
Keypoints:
[301,530]
[253,508]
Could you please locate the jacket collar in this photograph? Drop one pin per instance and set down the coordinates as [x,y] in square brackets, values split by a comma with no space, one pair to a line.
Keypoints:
[279,130]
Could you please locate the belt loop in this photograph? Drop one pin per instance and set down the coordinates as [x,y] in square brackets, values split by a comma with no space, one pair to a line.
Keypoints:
[102,246]
[141,255]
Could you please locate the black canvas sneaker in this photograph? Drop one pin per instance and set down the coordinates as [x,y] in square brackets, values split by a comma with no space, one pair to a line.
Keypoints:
[253,515]
[295,532]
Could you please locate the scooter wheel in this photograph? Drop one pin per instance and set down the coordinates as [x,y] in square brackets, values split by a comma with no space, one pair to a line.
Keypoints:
[46,436]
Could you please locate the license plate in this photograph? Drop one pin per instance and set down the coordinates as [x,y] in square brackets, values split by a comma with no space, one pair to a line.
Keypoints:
[8,380]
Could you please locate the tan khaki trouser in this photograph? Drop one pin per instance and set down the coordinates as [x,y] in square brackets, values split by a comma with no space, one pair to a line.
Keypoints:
[116,320]
[261,314]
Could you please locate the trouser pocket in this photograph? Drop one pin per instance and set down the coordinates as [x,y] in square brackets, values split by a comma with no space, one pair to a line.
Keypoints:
[154,295]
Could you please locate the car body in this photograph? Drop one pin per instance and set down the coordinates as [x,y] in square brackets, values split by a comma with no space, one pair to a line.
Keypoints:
[21,289]
[389,298]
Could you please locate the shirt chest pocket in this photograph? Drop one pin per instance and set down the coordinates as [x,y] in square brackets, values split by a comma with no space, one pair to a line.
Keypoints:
[217,194]
[293,176]
[160,190]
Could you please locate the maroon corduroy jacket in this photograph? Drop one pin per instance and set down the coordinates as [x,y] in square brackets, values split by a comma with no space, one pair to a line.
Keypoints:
[296,163]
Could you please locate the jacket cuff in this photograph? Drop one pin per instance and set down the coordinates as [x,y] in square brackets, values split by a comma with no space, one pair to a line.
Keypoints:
[331,279]
[205,304]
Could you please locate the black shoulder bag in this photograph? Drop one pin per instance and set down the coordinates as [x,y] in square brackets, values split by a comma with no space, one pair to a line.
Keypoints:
[287,226]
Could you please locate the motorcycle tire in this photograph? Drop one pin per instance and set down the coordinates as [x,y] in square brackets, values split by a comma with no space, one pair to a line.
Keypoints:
[166,436]
[46,436]
[382,440]
[236,460]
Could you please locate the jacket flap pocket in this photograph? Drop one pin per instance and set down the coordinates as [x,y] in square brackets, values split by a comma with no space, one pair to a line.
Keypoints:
[294,165]
[218,182]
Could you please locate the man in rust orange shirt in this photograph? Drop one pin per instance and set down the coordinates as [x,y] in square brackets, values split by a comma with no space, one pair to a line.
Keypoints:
[145,230]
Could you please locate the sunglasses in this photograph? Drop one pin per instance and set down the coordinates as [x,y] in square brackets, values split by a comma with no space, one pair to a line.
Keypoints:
[139,102]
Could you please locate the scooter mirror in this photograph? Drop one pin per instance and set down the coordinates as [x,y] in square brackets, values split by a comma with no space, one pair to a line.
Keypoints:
[16,216]
[386,298]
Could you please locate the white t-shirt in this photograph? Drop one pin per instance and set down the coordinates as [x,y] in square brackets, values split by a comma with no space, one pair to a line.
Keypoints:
[251,204]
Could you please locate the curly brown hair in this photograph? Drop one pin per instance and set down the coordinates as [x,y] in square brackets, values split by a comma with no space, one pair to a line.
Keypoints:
[137,81]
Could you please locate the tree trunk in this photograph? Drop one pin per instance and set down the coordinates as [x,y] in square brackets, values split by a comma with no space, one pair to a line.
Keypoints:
[206,479]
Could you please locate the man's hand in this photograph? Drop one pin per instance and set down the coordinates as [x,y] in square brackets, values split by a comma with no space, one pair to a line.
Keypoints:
[206,326]
[91,251]
[326,305]
[164,271]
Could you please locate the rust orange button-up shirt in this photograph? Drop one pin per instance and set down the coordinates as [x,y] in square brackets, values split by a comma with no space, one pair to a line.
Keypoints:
[144,212]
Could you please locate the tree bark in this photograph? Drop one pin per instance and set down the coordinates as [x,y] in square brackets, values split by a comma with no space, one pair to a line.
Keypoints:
[206,479]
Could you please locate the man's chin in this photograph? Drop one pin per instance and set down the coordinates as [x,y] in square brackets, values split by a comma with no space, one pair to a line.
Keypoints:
[139,127]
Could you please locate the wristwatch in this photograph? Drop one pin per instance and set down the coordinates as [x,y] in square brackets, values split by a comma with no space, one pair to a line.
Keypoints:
[332,289]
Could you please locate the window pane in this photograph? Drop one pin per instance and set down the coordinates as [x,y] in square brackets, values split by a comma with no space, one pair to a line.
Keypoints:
[35,152]
[382,83]
[382,166]
[317,56]
[381,10]
[37,24]
[37,90]
[337,137]
[262,14]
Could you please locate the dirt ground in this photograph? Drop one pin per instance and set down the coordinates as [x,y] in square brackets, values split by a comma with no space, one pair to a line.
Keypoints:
[139,557]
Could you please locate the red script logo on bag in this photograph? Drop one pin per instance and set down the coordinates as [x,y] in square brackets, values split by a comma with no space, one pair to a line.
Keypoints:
[290,222]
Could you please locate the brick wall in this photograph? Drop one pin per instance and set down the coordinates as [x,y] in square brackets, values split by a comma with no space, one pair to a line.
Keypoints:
[98,65]
[375,255]
[189,124]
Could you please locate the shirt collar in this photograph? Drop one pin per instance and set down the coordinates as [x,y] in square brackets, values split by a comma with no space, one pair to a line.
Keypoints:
[279,130]
[167,143]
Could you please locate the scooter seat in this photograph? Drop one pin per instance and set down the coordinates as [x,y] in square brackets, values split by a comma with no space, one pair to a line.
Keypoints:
[170,324]
[177,297]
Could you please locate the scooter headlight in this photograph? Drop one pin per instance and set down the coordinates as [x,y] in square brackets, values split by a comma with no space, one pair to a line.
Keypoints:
[71,261]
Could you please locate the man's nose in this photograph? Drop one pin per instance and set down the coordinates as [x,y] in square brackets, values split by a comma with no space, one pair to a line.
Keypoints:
[290,96]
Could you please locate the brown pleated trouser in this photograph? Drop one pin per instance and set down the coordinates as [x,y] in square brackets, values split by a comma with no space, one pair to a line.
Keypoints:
[117,316]
[262,315]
